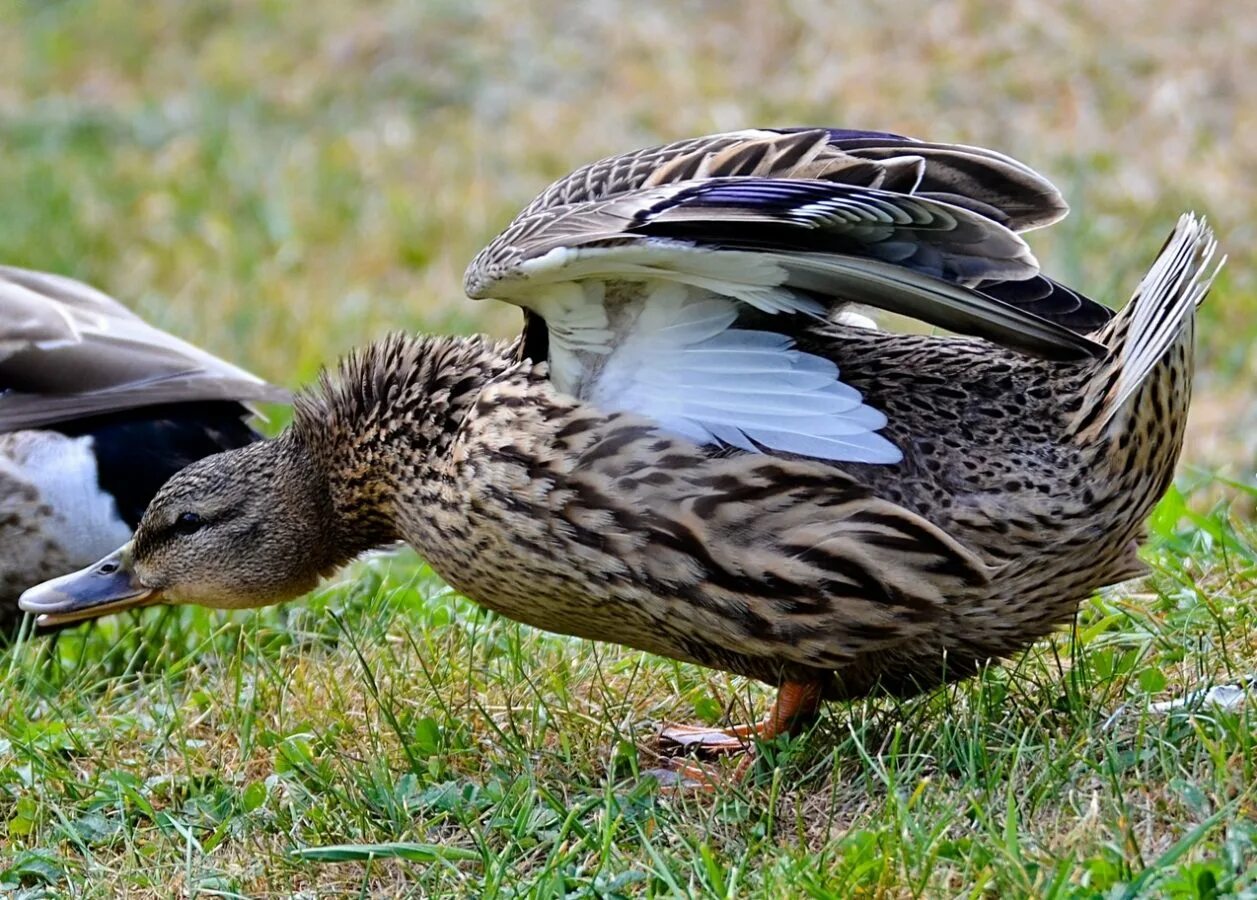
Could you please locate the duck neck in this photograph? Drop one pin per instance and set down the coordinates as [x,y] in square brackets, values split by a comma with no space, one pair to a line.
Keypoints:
[381,429]
[356,511]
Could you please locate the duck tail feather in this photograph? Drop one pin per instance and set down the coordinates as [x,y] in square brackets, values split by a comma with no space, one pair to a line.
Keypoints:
[1159,315]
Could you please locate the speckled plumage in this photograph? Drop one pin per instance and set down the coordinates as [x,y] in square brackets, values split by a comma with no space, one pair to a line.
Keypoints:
[31,551]
[988,535]
[1025,459]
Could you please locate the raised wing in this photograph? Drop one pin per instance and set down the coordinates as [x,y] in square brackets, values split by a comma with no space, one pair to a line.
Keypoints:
[778,246]
[621,260]
[996,186]
[68,351]
[999,187]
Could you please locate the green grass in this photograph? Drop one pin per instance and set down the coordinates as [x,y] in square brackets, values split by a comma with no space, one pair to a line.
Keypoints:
[280,182]
[262,753]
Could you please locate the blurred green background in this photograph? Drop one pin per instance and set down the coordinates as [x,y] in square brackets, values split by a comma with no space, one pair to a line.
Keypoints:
[280,181]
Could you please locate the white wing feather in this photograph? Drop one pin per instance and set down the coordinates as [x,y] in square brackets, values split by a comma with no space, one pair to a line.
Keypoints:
[755,279]
[683,365]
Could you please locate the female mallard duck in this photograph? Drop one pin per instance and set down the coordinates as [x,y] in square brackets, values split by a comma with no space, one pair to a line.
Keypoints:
[689,452]
[97,410]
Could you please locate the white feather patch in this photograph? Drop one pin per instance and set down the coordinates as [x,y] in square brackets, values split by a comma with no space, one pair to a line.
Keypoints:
[63,472]
[683,365]
[752,278]
[577,320]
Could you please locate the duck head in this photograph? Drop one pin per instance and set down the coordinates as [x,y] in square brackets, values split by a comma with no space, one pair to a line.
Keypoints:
[262,524]
[245,528]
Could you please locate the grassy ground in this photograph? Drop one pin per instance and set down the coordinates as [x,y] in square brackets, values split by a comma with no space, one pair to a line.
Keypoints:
[279,182]
[207,756]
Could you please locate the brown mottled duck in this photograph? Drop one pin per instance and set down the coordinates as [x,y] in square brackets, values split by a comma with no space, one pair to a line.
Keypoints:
[691,451]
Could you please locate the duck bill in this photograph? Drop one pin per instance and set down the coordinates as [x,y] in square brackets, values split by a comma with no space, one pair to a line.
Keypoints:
[107,586]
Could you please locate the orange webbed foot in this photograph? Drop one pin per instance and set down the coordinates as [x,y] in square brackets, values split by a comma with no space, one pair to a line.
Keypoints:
[796,702]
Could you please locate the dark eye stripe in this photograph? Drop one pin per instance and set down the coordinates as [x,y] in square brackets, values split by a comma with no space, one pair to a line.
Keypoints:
[177,529]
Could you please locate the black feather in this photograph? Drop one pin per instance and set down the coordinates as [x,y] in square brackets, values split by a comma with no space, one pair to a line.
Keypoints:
[138,450]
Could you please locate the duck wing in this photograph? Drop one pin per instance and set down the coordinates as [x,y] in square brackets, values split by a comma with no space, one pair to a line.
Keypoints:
[646,288]
[999,187]
[984,181]
[68,351]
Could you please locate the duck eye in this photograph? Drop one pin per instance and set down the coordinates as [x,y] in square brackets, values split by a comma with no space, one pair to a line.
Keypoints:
[187,522]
